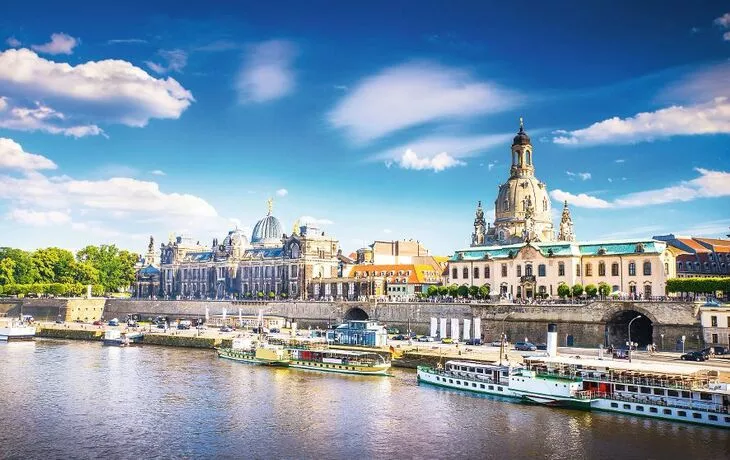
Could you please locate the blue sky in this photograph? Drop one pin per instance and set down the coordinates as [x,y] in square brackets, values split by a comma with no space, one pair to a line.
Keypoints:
[381,120]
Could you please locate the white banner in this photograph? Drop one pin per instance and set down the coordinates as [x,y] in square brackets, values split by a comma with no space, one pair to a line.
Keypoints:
[467,329]
[477,328]
[455,329]
[442,328]
[434,326]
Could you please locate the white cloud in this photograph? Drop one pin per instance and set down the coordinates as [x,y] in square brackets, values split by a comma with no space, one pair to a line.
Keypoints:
[12,156]
[456,147]
[112,91]
[413,94]
[13,42]
[491,165]
[267,72]
[158,172]
[581,200]
[580,175]
[309,220]
[710,184]
[38,218]
[43,118]
[175,61]
[60,44]
[439,162]
[282,192]
[726,36]
[126,40]
[723,21]
[387,230]
[620,160]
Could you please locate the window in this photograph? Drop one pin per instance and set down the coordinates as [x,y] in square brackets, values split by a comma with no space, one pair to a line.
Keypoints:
[706,396]
[659,391]
[714,338]
[627,406]
[713,321]
[679,266]
[541,270]
[519,270]
[647,268]
[561,269]
[577,270]
[528,270]
[632,268]
[544,204]
[673,393]
[504,270]
[647,291]
[653,410]
[615,405]
[476,272]
[640,408]
[614,269]
[667,411]
[712,417]
[486,271]
[646,390]
[620,387]
[589,269]
[465,272]
[454,273]
[696,415]
[506,205]
[601,269]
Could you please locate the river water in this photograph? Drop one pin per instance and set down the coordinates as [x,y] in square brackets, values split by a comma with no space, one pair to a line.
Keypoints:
[65,399]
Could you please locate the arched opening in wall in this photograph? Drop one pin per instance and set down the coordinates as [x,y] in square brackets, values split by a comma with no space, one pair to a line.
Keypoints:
[356,314]
[617,329]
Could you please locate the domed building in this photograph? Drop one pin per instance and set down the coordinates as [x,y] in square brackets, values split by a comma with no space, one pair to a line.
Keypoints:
[267,232]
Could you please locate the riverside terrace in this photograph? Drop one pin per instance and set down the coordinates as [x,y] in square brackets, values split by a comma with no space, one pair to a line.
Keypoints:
[589,324]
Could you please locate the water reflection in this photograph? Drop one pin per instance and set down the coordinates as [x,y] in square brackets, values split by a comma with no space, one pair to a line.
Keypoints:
[78,399]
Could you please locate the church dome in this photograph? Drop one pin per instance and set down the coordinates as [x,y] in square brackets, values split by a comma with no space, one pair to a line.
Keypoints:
[236,238]
[521,138]
[267,230]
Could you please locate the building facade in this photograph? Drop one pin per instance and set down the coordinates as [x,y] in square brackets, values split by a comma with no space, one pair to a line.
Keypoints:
[700,257]
[269,265]
[715,325]
[519,255]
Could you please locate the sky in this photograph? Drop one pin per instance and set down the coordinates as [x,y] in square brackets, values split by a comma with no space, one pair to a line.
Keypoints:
[372,120]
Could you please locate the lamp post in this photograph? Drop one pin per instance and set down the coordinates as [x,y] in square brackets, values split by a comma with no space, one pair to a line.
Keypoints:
[630,344]
[662,336]
[501,337]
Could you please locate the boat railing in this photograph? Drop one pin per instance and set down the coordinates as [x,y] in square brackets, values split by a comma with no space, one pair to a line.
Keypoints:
[460,375]
[673,403]
[650,382]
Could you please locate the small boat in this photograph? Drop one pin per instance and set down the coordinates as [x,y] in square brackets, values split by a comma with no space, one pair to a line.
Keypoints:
[117,338]
[340,361]
[261,353]
[478,377]
[17,330]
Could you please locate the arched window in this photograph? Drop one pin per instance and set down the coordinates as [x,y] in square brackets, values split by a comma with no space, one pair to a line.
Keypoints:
[465,271]
[519,270]
[647,268]
[544,204]
[506,204]
[601,269]
[476,272]
[486,271]
[528,270]
[529,157]
[632,268]
[561,269]
[614,269]
[541,270]
[454,273]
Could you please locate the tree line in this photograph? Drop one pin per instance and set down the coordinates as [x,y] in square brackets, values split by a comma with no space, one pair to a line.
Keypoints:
[699,285]
[58,272]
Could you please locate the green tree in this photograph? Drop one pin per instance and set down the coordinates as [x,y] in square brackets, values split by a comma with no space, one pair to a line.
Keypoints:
[115,267]
[443,290]
[463,291]
[604,289]
[591,290]
[54,265]
[85,273]
[7,271]
[577,290]
[454,290]
[563,290]
[474,292]
[484,291]
[24,272]
[272,295]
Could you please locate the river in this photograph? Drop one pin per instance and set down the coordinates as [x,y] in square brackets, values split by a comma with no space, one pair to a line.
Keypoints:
[63,399]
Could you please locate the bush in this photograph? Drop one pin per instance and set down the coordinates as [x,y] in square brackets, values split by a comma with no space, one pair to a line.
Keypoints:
[577,290]
[591,290]
[604,289]
[463,291]
[563,290]
[432,291]
[698,285]
[272,294]
[484,291]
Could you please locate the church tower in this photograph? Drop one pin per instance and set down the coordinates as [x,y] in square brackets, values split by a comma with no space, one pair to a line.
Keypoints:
[566,232]
[151,257]
[478,237]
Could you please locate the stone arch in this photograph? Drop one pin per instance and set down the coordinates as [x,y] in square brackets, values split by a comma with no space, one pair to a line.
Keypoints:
[617,327]
[357,314]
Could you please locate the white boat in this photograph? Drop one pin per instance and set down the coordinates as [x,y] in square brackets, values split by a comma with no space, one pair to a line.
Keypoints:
[478,377]
[17,330]
[115,337]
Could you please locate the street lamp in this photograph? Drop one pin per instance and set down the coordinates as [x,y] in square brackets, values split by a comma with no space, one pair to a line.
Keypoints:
[630,344]
[501,343]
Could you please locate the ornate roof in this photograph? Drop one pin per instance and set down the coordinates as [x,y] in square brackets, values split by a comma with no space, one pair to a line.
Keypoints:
[521,138]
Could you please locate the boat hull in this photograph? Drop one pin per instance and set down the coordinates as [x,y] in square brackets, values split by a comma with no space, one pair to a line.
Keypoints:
[340,368]
[441,379]
[674,414]
[16,333]
[248,358]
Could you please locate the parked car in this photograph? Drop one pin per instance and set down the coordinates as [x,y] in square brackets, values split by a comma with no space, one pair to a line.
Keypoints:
[497,343]
[274,330]
[694,356]
[226,329]
[525,346]
[59,321]
[542,346]
[400,337]
[718,349]
[426,338]
[620,353]
[97,323]
[393,330]
[447,340]
[473,341]
[114,322]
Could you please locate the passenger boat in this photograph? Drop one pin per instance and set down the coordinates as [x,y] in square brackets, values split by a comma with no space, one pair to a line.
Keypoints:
[117,338]
[341,361]
[261,353]
[478,377]
[17,330]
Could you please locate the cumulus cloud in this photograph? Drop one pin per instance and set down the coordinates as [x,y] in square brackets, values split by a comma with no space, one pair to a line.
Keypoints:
[45,119]
[12,156]
[413,94]
[723,21]
[282,192]
[580,175]
[13,42]
[173,61]
[38,218]
[309,220]
[439,162]
[709,184]
[60,44]
[266,73]
[112,91]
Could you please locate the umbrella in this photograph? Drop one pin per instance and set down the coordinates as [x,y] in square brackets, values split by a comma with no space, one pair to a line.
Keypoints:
[618,293]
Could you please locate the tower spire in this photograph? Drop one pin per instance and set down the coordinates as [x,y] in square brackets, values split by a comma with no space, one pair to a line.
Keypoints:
[522,125]
[566,232]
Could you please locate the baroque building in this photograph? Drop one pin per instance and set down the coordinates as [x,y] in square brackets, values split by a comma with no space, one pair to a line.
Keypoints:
[519,255]
[270,264]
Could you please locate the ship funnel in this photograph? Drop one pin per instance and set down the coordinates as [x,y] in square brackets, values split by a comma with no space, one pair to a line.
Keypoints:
[552,339]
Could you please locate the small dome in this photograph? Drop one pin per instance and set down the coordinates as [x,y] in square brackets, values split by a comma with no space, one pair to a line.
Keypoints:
[521,138]
[236,238]
[267,230]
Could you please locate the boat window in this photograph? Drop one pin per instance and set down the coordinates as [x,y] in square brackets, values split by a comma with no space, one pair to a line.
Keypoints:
[653,410]
[672,393]
[640,408]
[474,385]
[480,370]
[667,411]
[686,394]
[697,415]
[451,381]
[645,390]
[620,387]
[500,388]
[633,389]
[681,413]
[627,406]
[471,369]
[481,385]
[706,396]
[614,404]
[491,387]
[659,391]
[712,417]
[727,419]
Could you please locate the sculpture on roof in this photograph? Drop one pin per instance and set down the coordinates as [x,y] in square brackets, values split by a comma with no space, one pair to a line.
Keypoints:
[478,237]
[566,232]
